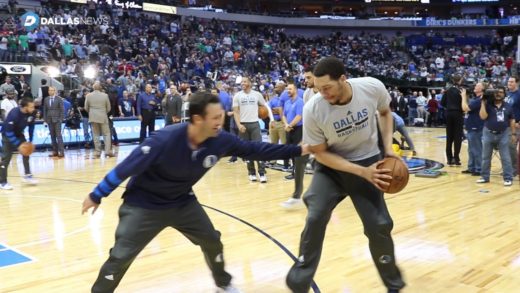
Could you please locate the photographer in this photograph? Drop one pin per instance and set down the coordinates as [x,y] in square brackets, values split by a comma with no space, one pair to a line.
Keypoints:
[498,126]
[474,126]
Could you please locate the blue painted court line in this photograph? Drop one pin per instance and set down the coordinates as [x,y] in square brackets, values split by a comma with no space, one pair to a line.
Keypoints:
[10,257]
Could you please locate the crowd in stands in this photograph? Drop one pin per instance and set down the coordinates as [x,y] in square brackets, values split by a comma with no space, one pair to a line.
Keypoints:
[134,48]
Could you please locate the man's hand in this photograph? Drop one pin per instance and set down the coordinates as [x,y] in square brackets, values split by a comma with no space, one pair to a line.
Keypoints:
[241,128]
[87,204]
[306,149]
[140,117]
[288,128]
[463,93]
[376,176]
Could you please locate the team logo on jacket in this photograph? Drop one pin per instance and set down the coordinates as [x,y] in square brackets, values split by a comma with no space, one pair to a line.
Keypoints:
[209,161]
[145,149]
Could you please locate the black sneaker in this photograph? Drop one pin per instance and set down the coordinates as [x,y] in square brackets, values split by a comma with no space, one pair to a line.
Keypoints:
[457,163]
[289,177]
[467,172]
[475,174]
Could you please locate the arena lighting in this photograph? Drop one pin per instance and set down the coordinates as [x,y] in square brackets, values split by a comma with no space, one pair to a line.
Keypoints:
[53,71]
[89,72]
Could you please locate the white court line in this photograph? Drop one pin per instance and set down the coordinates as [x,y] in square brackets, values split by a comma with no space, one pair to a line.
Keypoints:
[7,247]
[77,231]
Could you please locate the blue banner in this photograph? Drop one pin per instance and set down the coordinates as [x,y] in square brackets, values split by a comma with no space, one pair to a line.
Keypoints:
[126,130]
[514,20]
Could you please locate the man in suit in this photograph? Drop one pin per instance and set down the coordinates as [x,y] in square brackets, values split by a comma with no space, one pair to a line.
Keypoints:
[53,115]
[97,105]
[172,106]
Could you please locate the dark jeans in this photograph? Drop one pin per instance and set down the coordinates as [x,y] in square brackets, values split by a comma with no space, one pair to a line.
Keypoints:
[474,150]
[500,141]
[7,154]
[328,188]
[147,122]
[138,226]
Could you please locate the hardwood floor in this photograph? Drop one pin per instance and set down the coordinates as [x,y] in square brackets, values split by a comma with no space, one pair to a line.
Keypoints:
[450,234]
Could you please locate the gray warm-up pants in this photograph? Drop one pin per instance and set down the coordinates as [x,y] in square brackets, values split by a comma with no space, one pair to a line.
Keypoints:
[328,188]
[252,134]
[300,163]
[138,226]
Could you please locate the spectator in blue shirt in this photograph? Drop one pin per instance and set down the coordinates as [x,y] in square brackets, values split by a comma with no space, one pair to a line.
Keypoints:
[513,99]
[292,119]
[159,194]
[146,104]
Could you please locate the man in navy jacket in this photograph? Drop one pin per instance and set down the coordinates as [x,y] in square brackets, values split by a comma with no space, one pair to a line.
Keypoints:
[163,170]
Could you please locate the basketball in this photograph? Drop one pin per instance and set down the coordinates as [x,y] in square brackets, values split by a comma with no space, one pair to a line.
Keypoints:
[399,174]
[26,149]
[262,112]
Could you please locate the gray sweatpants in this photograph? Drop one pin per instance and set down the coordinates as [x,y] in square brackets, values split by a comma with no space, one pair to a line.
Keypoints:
[300,163]
[253,134]
[138,226]
[328,188]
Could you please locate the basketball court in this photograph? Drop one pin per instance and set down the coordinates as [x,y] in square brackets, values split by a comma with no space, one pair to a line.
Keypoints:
[451,234]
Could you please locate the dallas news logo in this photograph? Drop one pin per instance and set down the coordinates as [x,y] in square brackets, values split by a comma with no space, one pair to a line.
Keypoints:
[32,20]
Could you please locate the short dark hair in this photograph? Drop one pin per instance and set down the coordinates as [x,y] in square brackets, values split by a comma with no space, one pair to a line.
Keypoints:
[309,68]
[330,66]
[501,88]
[515,77]
[199,101]
[457,78]
[25,101]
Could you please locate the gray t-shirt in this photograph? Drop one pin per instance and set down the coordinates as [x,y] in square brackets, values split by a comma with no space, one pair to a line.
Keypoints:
[248,105]
[308,94]
[349,130]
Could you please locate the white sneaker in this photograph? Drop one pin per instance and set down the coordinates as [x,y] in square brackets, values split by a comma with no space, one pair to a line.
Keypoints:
[29,179]
[228,289]
[252,178]
[6,186]
[508,183]
[263,179]
[291,203]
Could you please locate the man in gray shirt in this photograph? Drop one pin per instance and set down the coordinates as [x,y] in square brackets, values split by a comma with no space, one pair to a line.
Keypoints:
[341,128]
[245,108]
